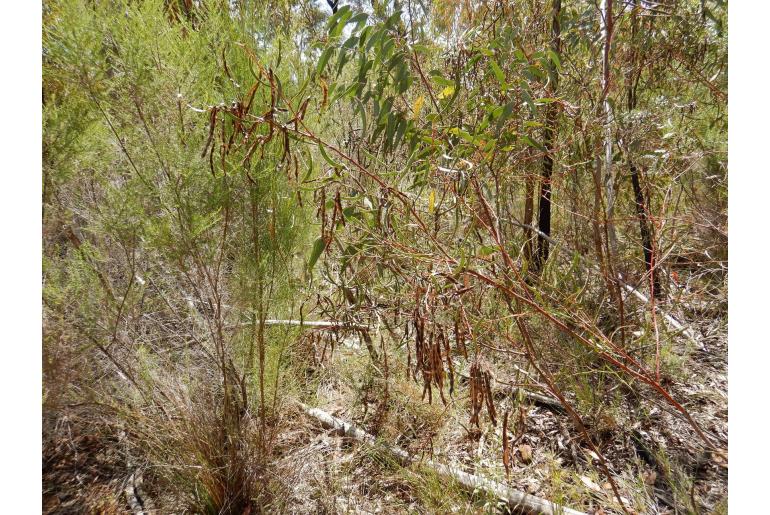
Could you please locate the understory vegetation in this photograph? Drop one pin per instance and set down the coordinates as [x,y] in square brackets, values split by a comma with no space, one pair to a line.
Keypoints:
[492,234]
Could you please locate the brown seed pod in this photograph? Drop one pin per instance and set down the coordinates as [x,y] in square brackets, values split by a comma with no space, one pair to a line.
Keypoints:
[506,446]
[481,393]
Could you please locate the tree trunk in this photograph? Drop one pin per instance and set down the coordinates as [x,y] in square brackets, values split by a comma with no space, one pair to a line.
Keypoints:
[645,227]
[646,233]
[609,176]
[544,205]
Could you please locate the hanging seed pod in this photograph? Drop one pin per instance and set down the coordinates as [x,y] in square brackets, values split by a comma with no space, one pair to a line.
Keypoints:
[321,213]
[459,331]
[475,397]
[408,350]
[212,124]
[424,359]
[447,353]
[436,372]
[506,446]
[481,394]
[419,339]
[338,208]
[489,398]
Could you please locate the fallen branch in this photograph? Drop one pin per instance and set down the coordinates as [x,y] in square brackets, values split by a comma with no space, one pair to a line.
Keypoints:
[317,324]
[519,502]
[676,324]
[544,400]
[134,494]
[326,324]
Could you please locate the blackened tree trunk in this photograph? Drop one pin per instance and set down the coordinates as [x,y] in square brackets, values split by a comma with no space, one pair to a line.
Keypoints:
[642,207]
[544,205]
[646,233]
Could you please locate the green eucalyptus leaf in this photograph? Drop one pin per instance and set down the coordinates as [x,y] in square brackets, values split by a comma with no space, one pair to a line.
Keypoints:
[318,247]
[325,56]
[499,75]
[332,162]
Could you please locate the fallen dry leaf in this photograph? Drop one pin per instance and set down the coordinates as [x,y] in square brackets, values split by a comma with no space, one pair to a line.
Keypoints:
[720,457]
[650,477]
[590,484]
[526,453]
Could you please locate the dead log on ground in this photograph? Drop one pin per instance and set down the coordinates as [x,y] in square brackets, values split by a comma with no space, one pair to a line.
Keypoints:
[519,502]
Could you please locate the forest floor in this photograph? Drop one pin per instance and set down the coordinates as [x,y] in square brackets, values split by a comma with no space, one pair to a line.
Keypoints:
[654,456]
[658,463]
